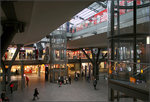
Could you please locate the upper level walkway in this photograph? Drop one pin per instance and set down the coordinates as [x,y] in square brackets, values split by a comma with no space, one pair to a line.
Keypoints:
[95,35]
[26,62]
[126,20]
[36,62]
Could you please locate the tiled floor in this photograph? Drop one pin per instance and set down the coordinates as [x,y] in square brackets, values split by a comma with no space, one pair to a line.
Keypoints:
[78,91]
[50,92]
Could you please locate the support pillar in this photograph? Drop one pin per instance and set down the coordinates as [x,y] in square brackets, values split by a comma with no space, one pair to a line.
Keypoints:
[9,31]
[80,65]
[39,70]
[11,63]
[112,32]
[66,70]
[94,61]
[53,73]
[22,76]
[59,72]
[90,71]
[94,64]
[134,100]
[134,31]
[111,95]
[118,96]
[4,75]
[95,57]
[50,73]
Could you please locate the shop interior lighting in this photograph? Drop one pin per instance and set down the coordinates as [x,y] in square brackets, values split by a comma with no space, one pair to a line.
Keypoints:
[148,40]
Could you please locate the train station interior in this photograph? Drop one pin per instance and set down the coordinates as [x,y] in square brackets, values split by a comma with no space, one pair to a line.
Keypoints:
[75,50]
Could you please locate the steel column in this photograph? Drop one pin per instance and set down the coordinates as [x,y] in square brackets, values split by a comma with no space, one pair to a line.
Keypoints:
[112,32]
[39,70]
[87,56]
[134,31]
[11,63]
[22,76]
[4,75]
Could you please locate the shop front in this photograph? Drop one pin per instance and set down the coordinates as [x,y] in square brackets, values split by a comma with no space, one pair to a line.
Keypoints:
[16,70]
[103,66]
[33,69]
[24,53]
[28,69]
[87,69]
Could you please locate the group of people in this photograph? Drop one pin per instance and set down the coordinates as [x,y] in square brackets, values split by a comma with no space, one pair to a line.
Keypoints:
[30,55]
[4,98]
[11,85]
[3,94]
[64,80]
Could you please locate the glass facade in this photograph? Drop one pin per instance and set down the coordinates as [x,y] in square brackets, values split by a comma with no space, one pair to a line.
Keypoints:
[128,48]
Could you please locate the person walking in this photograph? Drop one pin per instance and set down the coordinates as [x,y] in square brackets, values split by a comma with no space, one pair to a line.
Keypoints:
[69,79]
[11,87]
[76,76]
[27,80]
[16,72]
[95,83]
[3,96]
[59,81]
[36,93]
[82,74]
[5,56]
[66,80]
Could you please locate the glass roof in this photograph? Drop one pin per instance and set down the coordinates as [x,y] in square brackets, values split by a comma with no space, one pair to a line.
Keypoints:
[86,13]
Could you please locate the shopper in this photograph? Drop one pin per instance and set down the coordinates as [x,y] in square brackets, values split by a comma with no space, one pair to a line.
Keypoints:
[59,81]
[16,72]
[76,77]
[88,79]
[3,96]
[69,79]
[66,80]
[95,83]
[11,87]
[82,74]
[62,79]
[36,93]
[27,80]
[5,55]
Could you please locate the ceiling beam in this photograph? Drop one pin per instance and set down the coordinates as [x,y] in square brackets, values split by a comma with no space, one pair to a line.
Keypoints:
[9,10]
[91,8]
[102,4]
